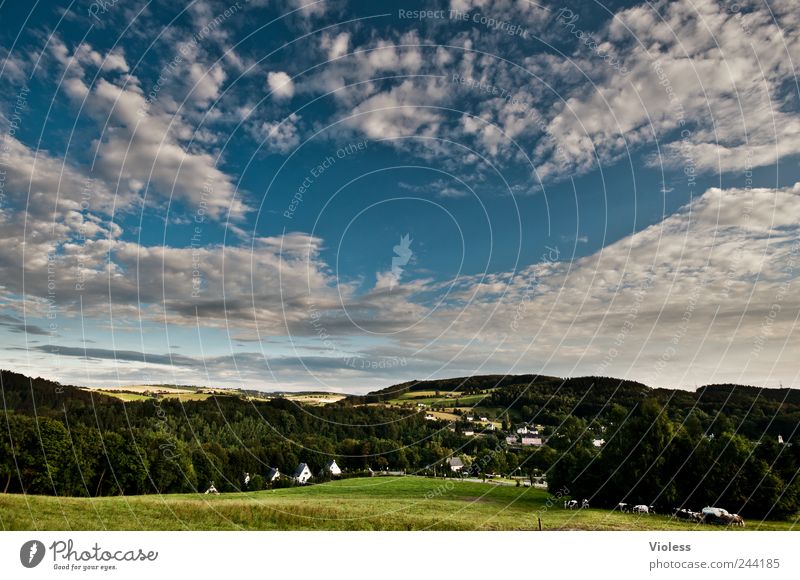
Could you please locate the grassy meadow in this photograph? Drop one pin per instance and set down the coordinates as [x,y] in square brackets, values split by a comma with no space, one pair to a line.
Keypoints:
[380,503]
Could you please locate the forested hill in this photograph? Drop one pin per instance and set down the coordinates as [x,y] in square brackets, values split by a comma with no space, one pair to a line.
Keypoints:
[26,394]
[601,386]
[62,440]
[751,411]
[754,410]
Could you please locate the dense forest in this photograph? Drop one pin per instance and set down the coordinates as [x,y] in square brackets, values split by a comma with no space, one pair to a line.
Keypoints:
[669,448]
[649,458]
[62,440]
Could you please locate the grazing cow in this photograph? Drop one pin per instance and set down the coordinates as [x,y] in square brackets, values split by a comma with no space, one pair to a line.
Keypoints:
[730,520]
[571,504]
[714,515]
[686,514]
[624,507]
[652,509]
[736,520]
[585,504]
[641,509]
[681,514]
[212,489]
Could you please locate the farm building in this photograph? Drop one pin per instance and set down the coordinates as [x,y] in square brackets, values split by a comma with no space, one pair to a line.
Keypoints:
[332,468]
[535,441]
[302,474]
[511,440]
[455,464]
[272,475]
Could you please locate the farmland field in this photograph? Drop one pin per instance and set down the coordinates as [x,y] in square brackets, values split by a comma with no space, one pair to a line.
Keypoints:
[314,399]
[176,394]
[381,503]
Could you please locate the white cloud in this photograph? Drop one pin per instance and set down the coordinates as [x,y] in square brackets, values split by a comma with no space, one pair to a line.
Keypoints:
[281,85]
[398,112]
[336,46]
[279,136]
[148,143]
[700,68]
[205,83]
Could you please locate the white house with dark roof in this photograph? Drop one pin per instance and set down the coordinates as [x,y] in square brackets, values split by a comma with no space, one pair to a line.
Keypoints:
[332,468]
[455,464]
[272,475]
[302,474]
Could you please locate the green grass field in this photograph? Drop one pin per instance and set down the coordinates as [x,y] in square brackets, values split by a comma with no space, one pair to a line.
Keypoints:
[381,503]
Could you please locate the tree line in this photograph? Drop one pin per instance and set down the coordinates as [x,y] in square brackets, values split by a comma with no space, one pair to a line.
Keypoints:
[661,448]
[649,458]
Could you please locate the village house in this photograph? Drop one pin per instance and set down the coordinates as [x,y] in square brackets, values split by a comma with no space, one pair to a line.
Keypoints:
[273,475]
[598,442]
[302,474]
[455,464]
[534,441]
[332,468]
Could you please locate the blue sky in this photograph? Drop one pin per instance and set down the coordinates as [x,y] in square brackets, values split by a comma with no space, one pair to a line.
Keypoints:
[217,193]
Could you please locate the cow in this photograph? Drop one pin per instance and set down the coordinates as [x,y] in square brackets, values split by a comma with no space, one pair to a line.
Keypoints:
[715,515]
[681,514]
[733,520]
[585,504]
[624,507]
[571,504]
[640,509]
[686,514]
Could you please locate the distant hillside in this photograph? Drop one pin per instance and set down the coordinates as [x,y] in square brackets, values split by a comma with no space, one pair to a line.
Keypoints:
[753,411]
[455,385]
[26,394]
